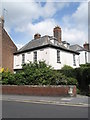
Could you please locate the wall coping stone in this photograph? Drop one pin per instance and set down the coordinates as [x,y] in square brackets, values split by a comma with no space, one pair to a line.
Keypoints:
[43,85]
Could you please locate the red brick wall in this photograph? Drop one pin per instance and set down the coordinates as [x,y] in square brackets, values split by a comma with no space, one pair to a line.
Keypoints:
[38,90]
[8,48]
[0,45]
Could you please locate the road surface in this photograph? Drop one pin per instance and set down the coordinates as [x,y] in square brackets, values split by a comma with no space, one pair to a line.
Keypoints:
[17,109]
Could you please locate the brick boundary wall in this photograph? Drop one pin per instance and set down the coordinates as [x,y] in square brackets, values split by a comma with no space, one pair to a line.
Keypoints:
[61,90]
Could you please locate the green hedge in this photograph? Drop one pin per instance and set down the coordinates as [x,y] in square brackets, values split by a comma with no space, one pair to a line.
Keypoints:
[83,77]
[82,74]
[37,74]
[41,74]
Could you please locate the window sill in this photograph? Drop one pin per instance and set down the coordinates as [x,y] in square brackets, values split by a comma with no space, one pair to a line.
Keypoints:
[58,62]
[17,65]
[74,65]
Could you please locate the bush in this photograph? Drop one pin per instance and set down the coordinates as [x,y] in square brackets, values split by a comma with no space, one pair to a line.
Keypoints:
[61,79]
[72,81]
[83,77]
[20,79]
[68,71]
[37,74]
[66,67]
[8,78]
[85,65]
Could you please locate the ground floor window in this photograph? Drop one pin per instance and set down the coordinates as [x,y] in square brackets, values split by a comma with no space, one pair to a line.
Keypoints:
[58,56]
[85,57]
[35,56]
[74,60]
[23,58]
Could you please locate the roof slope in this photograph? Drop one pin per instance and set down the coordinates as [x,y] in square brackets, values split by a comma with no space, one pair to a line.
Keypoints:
[76,47]
[35,43]
[44,41]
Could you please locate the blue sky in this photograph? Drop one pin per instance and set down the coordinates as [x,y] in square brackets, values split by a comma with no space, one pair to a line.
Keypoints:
[25,18]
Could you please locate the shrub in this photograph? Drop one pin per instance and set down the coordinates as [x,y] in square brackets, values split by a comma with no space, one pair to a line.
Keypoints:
[8,78]
[85,65]
[68,71]
[83,77]
[66,67]
[72,81]
[39,74]
[20,79]
[36,74]
[60,79]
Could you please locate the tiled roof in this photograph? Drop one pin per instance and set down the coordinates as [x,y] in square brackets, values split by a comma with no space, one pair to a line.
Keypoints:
[77,47]
[35,43]
[42,42]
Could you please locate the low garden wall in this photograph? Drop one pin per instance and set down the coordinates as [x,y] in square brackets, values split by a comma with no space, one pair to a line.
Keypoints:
[60,90]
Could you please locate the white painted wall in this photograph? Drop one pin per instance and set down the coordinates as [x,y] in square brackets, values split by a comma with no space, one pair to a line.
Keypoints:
[66,58]
[42,55]
[17,61]
[88,57]
[82,57]
[50,56]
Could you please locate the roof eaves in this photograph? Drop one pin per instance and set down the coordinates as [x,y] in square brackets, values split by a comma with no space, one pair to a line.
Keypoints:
[47,45]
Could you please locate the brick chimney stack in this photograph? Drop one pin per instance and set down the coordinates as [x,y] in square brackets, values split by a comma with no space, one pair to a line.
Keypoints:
[37,36]
[57,33]
[2,21]
[86,46]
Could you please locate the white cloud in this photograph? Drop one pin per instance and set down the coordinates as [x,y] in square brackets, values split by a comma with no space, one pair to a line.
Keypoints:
[51,7]
[81,16]
[75,27]
[44,28]
[89,22]
[21,14]
[74,36]
[19,46]
[26,11]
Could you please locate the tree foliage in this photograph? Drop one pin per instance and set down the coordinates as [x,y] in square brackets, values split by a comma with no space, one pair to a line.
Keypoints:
[37,74]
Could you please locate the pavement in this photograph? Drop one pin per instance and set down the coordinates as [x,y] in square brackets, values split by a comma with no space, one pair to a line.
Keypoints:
[79,100]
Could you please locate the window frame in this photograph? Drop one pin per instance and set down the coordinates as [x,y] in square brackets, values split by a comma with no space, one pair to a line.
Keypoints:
[85,57]
[74,60]
[35,56]
[58,56]
[23,58]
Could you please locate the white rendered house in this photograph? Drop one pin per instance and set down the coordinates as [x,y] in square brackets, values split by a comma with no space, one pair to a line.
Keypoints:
[84,56]
[49,49]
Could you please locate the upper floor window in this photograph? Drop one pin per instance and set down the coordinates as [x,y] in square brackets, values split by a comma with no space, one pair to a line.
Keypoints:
[35,56]
[23,58]
[74,61]
[58,56]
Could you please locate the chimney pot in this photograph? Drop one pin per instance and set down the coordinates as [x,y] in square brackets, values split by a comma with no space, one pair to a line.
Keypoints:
[57,33]
[37,36]
[86,46]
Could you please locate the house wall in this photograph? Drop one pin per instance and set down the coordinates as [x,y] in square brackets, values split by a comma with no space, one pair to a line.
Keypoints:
[66,58]
[88,57]
[82,57]
[49,55]
[8,48]
[0,46]
[42,55]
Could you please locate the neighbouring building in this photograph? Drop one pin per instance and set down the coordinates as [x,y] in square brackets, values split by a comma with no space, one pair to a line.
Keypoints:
[50,49]
[84,56]
[7,48]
